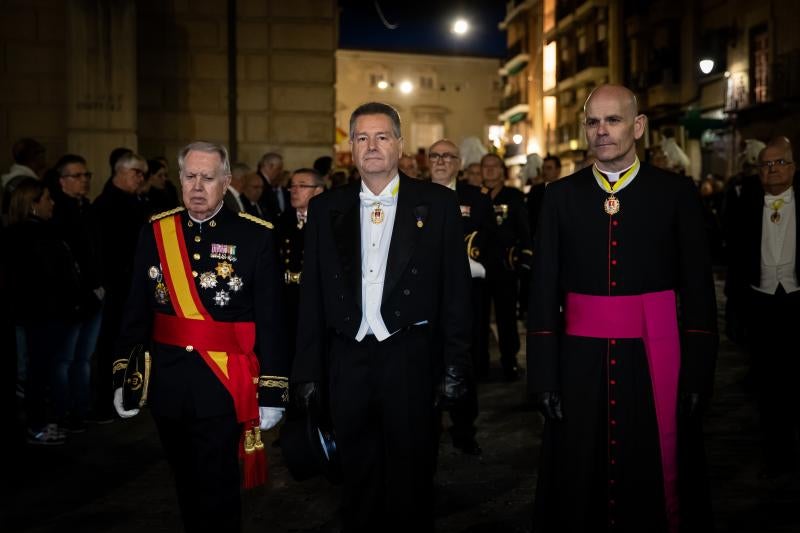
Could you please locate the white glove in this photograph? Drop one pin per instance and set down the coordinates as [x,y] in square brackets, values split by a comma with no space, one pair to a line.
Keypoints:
[476,270]
[118,406]
[269,416]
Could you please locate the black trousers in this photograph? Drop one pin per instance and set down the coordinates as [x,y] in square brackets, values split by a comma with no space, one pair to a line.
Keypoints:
[463,416]
[773,321]
[203,456]
[502,290]
[382,408]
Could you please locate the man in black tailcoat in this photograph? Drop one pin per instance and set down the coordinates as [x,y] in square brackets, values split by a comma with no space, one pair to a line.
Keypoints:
[385,306]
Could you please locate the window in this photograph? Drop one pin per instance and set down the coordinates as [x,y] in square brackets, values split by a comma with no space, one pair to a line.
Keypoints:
[759,63]
[426,82]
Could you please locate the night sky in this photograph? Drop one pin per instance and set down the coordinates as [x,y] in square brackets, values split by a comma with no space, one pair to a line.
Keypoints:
[423,27]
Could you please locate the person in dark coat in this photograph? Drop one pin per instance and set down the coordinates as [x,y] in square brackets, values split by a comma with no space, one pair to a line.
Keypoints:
[385,306]
[305,184]
[205,297]
[763,275]
[117,216]
[478,223]
[619,245]
[45,298]
[510,256]
[72,220]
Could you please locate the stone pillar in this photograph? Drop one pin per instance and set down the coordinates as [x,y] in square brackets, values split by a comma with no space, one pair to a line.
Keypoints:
[101,81]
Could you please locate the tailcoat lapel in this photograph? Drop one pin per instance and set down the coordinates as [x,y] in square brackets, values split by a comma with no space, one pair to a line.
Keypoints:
[409,223]
[346,223]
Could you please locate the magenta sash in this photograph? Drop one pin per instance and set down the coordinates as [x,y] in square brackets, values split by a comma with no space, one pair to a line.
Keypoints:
[651,317]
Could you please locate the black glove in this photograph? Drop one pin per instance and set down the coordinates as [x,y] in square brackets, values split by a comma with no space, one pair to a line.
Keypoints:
[549,404]
[454,386]
[692,404]
[306,395]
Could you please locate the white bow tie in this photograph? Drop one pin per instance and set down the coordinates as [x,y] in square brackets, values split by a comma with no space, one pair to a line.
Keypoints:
[784,199]
[368,199]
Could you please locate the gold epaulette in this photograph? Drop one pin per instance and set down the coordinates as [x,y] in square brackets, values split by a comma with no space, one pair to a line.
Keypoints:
[253,218]
[484,190]
[159,216]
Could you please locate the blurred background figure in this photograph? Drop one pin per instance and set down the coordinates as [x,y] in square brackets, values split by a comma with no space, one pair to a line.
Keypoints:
[233,196]
[29,160]
[45,296]
[408,166]
[473,175]
[472,150]
[531,172]
[157,192]
[677,159]
[252,193]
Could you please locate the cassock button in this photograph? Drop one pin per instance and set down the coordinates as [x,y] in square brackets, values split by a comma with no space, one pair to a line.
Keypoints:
[406,292]
[189,348]
[613,361]
[613,243]
[414,270]
[613,442]
[196,257]
[197,238]
[613,261]
[613,382]
[397,313]
[613,422]
[613,341]
[615,223]
[613,461]
[612,502]
[613,402]
[613,283]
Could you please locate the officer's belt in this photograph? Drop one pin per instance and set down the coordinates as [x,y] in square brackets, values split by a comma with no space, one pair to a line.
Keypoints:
[236,338]
[290,277]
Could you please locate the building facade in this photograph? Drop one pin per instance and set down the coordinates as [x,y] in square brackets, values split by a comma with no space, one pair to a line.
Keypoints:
[436,96]
[87,76]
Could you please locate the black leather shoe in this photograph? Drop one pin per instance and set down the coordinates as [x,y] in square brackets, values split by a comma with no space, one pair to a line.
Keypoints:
[469,447]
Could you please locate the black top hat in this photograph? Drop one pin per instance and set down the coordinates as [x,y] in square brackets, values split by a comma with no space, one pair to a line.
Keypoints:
[309,448]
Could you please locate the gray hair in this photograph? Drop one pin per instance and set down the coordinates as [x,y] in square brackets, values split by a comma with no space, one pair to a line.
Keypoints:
[269,157]
[129,160]
[208,148]
[376,108]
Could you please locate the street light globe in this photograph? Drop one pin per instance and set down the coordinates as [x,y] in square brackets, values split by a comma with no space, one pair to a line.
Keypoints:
[383,85]
[706,65]
[517,138]
[460,27]
[406,87]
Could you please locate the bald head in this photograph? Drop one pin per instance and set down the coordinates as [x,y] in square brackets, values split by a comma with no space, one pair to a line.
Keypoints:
[622,94]
[613,126]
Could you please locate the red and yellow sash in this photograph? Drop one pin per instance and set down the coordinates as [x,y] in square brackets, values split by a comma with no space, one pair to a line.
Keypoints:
[226,347]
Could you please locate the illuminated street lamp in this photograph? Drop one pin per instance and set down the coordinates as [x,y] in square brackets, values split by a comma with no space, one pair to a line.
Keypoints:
[383,85]
[460,27]
[517,138]
[406,87]
[706,65]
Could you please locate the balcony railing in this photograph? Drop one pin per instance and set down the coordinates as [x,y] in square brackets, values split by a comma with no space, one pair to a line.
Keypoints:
[519,47]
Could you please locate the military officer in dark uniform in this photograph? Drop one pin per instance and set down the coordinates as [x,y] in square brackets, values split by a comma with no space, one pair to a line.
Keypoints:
[304,184]
[205,298]
[512,254]
[444,161]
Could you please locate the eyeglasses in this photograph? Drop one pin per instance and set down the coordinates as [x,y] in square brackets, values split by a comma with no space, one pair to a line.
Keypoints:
[772,163]
[302,186]
[447,158]
[78,175]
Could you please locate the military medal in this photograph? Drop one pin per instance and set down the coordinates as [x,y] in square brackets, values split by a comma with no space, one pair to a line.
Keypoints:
[153,272]
[208,280]
[235,283]
[611,205]
[222,298]
[501,212]
[223,251]
[377,214]
[161,293]
[224,269]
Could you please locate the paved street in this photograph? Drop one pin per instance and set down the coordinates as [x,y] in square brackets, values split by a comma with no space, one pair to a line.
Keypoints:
[114,479]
